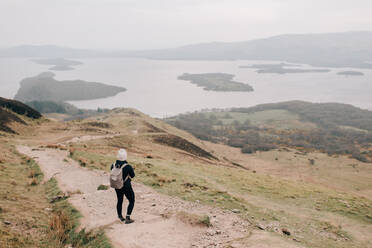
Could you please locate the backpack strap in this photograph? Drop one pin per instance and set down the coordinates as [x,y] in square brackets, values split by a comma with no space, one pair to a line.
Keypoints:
[128,173]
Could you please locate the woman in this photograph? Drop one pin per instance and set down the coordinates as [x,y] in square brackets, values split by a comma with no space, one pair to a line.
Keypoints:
[128,173]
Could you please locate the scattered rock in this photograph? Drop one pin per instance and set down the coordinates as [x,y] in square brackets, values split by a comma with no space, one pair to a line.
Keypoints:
[148,165]
[149,157]
[48,209]
[260,226]
[6,222]
[286,231]
[153,205]
[59,198]
[236,211]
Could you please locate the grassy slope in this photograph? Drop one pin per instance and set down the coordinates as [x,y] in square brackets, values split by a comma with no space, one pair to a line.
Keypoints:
[277,118]
[318,216]
[28,216]
[14,116]
[329,127]
[233,188]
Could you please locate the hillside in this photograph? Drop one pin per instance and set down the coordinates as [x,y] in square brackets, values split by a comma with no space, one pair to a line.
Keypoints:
[63,110]
[44,87]
[332,128]
[199,193]
[11,112]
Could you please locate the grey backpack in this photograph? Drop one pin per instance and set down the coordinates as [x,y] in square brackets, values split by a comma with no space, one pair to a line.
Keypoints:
[116,177]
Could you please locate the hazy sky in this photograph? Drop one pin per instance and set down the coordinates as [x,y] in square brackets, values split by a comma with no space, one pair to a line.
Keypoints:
[138,24]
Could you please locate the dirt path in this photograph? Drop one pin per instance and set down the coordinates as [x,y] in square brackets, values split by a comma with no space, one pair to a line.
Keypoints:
[157,223]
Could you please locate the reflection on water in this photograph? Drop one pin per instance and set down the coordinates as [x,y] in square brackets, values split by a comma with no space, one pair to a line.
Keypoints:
[154,89]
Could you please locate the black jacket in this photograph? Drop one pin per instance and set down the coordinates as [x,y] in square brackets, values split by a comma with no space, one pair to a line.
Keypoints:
[127,170]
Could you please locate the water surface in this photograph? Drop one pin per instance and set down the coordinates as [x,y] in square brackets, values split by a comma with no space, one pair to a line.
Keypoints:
[153,87]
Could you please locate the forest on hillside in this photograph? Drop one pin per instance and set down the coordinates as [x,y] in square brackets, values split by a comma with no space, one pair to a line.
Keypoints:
[332,128]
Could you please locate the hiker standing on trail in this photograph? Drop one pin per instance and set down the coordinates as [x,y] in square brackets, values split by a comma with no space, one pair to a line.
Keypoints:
[120,180]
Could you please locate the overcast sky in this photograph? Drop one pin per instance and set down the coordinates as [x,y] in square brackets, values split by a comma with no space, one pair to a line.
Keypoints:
[139,24]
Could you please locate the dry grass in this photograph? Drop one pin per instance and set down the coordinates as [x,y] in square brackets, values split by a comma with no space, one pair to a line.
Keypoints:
[286,189]
[194,219]
[34,182]
[293,204]
[59,225]
[25,206]
[336,172]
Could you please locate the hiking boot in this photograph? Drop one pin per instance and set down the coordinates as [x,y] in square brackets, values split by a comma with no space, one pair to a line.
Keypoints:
[128,220]
[121,218]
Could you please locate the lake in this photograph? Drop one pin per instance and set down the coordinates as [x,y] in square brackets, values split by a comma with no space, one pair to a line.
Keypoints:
[153,87]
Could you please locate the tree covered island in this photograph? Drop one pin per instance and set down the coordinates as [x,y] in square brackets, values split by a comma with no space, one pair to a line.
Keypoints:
[44,87]
[216,82]
[281,68]
[59,64]
[350,73]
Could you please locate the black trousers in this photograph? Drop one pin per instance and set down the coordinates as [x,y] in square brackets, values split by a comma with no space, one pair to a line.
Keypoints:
[129,194]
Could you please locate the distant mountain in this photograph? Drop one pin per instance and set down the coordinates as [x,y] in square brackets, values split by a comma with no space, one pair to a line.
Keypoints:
[52,51]
[48,51]
[350,49]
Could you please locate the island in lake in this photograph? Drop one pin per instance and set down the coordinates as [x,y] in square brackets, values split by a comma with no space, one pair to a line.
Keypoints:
[60,64]
[216,82]
[269,66]
[45,88]
[281,68]
[350,73]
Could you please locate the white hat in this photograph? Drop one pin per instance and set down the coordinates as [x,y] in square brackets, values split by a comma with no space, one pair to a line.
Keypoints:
[122,154]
